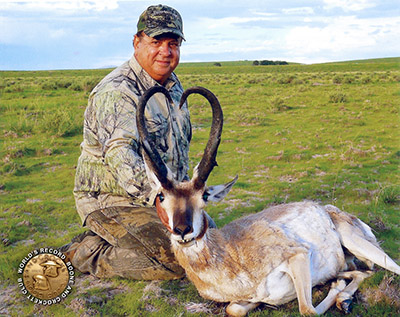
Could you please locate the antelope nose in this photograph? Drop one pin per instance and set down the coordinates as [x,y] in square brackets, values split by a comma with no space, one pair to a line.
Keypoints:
[182,230]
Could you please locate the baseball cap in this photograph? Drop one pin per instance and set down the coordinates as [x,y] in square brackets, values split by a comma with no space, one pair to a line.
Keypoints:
[160,19]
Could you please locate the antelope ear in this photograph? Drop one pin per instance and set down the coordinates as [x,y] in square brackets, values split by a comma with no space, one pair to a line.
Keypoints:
[218,192]
[152,178]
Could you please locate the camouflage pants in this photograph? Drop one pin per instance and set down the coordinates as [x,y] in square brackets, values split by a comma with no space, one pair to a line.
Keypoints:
[129,242]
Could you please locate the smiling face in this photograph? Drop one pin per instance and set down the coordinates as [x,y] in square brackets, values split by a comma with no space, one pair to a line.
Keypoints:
[158,56]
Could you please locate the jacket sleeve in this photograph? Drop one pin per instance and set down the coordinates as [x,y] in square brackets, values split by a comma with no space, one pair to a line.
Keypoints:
[118,136]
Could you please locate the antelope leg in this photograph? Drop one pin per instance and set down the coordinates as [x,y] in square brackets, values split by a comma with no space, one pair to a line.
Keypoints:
[331,298]
[344,298]
[299,271]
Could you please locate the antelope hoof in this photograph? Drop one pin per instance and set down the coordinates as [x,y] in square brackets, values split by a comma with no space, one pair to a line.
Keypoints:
[237,309]
[346,306]
[344,302]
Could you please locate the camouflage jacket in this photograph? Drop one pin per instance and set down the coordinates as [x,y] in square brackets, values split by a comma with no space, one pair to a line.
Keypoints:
[110,169]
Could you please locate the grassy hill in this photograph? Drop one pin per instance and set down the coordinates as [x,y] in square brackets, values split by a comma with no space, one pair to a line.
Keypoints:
[325,132]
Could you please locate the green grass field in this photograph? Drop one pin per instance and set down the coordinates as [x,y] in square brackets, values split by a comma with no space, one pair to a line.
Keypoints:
[324,132]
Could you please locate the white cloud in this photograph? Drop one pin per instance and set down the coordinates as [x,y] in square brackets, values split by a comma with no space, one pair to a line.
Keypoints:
[48,5]
[227,47]
[349,5]
[299,11]
[228,35]
[230,22]
[344,35]
[19,31]
[101,31]
[56,34]
[256,12]
[307,37]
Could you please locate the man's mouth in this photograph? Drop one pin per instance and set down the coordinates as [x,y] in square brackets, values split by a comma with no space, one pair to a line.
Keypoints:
[164,62]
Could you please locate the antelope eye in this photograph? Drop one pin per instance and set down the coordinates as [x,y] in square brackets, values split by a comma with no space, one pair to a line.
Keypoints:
[205,196]
[161,197]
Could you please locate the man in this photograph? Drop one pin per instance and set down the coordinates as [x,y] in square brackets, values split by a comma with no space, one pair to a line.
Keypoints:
[112,194]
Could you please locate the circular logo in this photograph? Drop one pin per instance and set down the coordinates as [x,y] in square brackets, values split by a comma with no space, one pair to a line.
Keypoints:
[46,278]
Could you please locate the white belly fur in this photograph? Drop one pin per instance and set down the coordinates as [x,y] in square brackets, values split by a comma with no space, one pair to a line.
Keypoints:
[307,224]
[325,251]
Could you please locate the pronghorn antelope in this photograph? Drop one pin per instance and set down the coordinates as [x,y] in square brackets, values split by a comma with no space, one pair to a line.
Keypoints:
[269,257]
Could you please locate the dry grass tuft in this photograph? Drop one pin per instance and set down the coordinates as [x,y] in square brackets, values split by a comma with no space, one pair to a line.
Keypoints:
[387,292]
[152,290]
[195,308]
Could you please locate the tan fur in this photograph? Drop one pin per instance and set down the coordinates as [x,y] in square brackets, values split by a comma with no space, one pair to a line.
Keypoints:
[273,256]
[245,252]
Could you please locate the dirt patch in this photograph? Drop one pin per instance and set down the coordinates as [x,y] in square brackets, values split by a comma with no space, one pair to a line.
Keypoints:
[12,301]
[8,299]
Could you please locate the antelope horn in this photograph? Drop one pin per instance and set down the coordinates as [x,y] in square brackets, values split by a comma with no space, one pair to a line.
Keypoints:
[208,161]
[155,162]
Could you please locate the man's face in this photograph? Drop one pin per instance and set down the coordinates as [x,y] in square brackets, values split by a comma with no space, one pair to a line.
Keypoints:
[158,56]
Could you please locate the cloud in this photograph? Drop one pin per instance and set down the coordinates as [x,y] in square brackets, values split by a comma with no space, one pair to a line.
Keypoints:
[299,11]
[227,47]
[50,5]
[256,12]
[231,36]
[343,36]
[349,5]
[49,31]
[19,30]
[231,22]
[302,34]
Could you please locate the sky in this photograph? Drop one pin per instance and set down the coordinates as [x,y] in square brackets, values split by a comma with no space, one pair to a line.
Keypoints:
[84,34]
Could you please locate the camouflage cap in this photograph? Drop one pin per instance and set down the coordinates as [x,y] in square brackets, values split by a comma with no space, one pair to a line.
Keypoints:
[160,19]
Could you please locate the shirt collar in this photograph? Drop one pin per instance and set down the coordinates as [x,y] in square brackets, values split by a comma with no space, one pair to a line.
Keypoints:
[146,79]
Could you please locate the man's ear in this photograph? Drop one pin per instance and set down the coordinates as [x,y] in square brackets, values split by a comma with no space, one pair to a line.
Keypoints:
[136,40]
[218,192]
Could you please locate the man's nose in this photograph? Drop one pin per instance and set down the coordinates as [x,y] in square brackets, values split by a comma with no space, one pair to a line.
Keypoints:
[165,49]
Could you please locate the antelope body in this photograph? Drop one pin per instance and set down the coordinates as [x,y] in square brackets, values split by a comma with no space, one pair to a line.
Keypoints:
[273,256]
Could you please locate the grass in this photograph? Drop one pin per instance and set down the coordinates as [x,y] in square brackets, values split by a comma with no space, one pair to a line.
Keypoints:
[326,132]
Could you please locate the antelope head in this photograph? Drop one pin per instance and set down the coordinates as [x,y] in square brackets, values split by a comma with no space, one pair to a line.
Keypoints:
[180,205]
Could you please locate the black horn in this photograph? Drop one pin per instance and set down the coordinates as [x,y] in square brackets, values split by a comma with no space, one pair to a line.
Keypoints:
[155,162]
[208,160]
